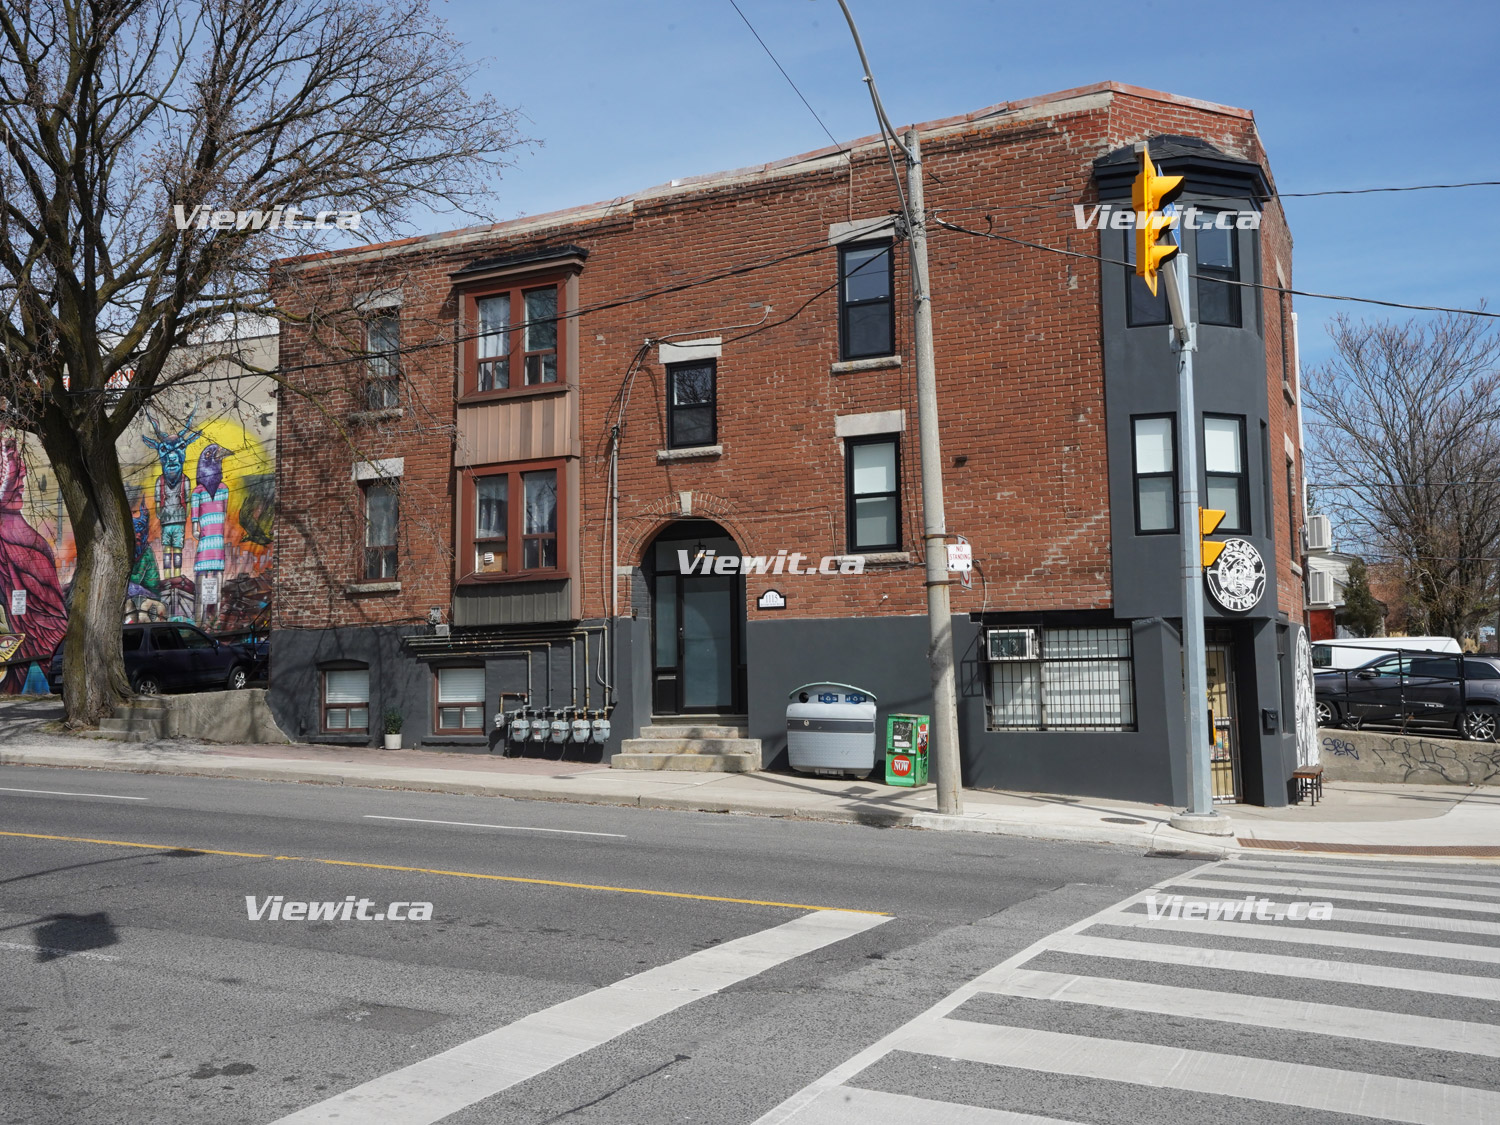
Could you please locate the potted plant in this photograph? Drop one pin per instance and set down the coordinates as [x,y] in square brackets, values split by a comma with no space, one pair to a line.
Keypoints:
[393,722]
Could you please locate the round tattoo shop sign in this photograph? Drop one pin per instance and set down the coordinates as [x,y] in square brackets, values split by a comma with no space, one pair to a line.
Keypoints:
[1237,579]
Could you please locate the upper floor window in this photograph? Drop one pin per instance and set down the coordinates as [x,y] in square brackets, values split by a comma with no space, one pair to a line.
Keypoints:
[511,518]
[1153,442]
[515,340]
[865,308]
[1228,484]
[873,493]
[1216,264]
[380,530]
[692,399]
[1142,309]
[382,363]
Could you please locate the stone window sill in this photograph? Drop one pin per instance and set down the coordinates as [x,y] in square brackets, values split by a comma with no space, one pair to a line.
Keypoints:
[693,453]
[884,558]
[384,414]
[1297,570]
[354,588]
[874,363]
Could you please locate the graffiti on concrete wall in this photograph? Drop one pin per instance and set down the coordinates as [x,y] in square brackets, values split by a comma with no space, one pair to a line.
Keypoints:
[1367,756]
[201,495]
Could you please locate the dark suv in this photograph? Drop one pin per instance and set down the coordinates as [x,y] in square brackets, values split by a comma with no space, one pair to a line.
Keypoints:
[1425,689]
[168,656]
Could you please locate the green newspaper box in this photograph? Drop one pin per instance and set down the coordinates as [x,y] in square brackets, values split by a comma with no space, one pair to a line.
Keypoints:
[906,749]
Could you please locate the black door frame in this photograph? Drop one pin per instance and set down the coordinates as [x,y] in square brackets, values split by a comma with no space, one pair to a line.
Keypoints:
[666,680]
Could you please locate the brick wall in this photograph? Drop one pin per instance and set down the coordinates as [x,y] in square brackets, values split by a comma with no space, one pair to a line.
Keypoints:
[1019,370]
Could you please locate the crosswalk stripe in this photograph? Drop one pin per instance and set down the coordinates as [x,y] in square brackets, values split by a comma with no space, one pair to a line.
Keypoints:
[1340,892]
[1275,964]
[436,1087]
[1148,1064]
[853,1105]
[1257,1011]
[1387,918]
[1355,881]
[1294,933]
[1445,875]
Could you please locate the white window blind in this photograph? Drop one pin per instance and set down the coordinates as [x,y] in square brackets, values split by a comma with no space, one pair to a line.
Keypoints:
[460,685]
[347,685]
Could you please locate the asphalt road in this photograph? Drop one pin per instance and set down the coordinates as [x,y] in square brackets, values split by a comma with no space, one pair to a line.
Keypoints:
[625,966]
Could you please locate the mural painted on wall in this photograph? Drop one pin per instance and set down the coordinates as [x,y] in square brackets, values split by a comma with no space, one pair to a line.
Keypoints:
[202,493]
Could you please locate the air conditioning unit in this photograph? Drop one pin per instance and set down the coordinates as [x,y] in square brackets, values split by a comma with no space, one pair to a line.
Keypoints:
[1319,534]
[1011,644]
[1319,588]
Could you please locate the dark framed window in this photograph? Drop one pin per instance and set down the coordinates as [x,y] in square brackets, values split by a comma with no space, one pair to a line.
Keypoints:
[459,700]
[1217,263]
[1153,451]
[866,321]
[383,362]
[511,517]
[872,467]
[1078,679]
[346,700]
[692,404]
[1142,310]
[381,519]
[515,341]
[1227,484]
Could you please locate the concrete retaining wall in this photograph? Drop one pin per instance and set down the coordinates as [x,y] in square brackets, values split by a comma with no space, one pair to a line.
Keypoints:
[1349,755]
[220,716]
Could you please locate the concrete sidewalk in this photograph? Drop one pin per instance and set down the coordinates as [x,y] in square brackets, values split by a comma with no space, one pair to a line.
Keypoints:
[1353,818]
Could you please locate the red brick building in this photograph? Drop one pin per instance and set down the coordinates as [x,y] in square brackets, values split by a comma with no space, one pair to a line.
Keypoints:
[735,351]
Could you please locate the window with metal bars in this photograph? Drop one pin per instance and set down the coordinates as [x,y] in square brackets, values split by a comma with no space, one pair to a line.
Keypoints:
[1084,679]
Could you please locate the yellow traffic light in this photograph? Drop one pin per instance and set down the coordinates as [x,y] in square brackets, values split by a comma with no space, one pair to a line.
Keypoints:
[1208,519]
[1148,196]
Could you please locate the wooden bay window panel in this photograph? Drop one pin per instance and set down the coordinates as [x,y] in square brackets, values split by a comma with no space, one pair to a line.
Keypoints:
[536,428]
[513,520]
[512,339]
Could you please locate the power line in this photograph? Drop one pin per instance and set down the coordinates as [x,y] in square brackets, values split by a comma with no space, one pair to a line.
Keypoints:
[1217,280]
[1375,190]
[788,77]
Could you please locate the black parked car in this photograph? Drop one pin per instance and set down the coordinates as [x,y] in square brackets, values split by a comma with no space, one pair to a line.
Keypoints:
[1461,692]
[168,656]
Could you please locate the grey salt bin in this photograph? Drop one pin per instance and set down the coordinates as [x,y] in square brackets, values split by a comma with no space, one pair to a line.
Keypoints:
[830,729]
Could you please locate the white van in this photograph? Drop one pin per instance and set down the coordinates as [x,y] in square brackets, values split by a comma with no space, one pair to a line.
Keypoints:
[1351,652]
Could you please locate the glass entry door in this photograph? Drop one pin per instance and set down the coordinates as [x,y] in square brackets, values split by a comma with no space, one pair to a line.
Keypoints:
[698,623]
[1225,756]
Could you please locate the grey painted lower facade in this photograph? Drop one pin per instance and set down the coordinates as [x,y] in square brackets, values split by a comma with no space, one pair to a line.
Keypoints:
[883,655]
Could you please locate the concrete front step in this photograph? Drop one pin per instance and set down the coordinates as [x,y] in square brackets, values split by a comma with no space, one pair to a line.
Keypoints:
[691,746]
[700,762]
[140,721]
[691,730]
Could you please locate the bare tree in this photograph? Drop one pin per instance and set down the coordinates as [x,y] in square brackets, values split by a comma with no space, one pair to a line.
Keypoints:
[1406,450]
[116,113]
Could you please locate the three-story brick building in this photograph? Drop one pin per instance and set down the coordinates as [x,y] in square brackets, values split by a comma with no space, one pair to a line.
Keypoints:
[511,431]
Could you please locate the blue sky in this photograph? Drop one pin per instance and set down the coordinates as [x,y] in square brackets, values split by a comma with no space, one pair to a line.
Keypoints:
[624,95]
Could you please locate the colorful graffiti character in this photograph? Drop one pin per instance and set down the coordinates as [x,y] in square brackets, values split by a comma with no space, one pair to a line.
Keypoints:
[172,493]
[28,576]
[210,506]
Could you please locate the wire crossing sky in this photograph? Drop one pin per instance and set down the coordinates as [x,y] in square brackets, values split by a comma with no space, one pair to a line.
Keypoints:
[1347,97]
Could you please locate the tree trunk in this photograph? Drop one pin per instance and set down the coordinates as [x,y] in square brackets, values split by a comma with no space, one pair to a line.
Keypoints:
[88,475]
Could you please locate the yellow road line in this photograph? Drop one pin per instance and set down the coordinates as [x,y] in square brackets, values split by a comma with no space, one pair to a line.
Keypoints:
[453,874]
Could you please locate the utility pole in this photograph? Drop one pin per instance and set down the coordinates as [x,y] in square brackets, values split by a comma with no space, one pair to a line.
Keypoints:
[943,752]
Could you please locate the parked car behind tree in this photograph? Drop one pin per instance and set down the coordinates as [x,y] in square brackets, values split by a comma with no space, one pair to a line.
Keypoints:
[170,656]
